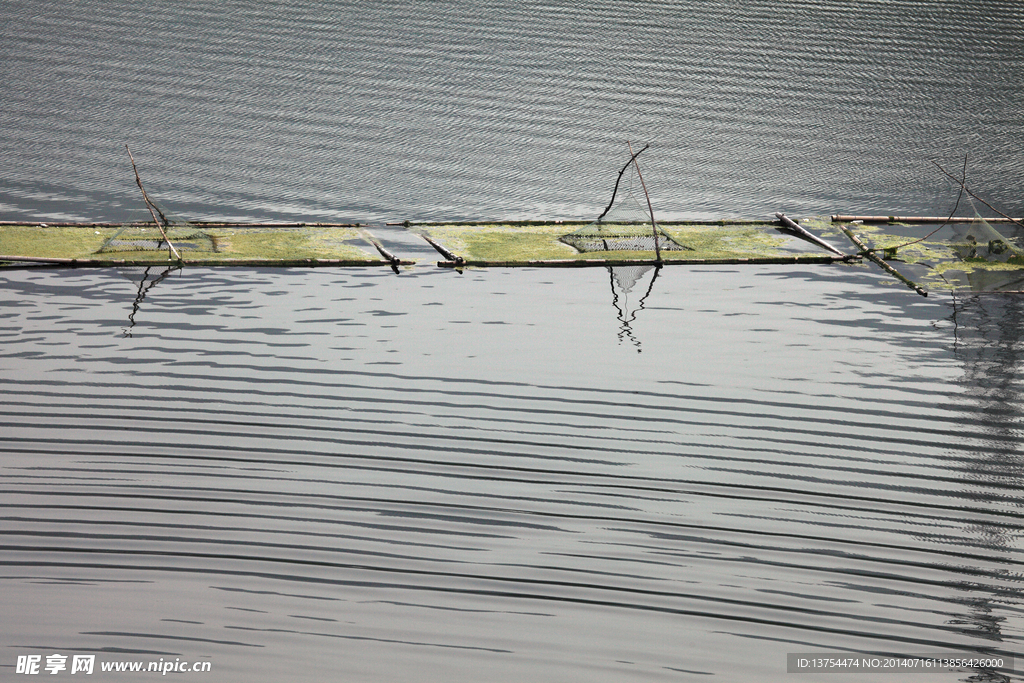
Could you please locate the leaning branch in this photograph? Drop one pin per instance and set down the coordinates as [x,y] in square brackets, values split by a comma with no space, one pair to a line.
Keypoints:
[951,213]
[632,159]
[150,206]
[963,186]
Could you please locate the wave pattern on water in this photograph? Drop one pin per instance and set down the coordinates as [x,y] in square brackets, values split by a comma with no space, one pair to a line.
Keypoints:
[365,111]
[242,477]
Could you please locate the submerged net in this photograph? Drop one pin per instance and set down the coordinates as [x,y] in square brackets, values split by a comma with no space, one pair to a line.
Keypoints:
[624,279]
[148,237]
[978,239]
[625,225]
[134,237]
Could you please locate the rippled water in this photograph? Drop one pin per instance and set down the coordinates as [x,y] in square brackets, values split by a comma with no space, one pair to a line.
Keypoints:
[400,110]
[499,476]
[506,475]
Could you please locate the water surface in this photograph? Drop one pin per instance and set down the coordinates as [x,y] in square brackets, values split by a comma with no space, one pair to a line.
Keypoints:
[498,475]
[368,111]
[506,475]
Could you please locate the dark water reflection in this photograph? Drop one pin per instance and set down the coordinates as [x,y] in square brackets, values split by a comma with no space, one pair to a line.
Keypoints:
[623,280]
[988,341]
[147,278]
[417,476]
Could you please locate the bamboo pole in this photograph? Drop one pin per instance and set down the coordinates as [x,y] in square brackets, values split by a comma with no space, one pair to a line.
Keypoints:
[588,263]
[207,263]
[36,259]
[870,253]
[378,246]
[392,259]
[654,226]
[806,234]
[150,206]
[441,249]
[201,224]
[842,218]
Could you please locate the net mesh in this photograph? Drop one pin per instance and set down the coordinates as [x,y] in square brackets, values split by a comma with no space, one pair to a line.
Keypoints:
[148,237]
[978,239]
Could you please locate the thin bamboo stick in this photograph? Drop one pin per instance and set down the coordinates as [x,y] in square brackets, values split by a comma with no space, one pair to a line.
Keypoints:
[585,263]
[207,263]
[963,186]
[149,205]
[841,218]
[619,179]
[654,226]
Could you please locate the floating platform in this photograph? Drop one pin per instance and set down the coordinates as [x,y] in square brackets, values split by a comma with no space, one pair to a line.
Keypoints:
[968,254]
[85,245]
[965,254]
[584,244]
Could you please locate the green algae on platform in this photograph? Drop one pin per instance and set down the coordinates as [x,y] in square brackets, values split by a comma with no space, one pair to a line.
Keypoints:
[728,241]
[293,243]
[505,241]
[509,242]
[54,241]
[935,263]
[197,243]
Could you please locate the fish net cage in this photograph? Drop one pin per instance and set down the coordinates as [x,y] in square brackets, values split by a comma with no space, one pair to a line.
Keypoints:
[135,238]
[147,237]
[617,236]
[625,225]
[167,231]
[979,240]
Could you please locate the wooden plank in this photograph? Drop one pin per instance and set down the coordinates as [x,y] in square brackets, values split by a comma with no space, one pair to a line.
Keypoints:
[840,218]
[203,263]
[590,263]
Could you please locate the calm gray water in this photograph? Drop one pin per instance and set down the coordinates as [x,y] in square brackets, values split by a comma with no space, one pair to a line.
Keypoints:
[506,475]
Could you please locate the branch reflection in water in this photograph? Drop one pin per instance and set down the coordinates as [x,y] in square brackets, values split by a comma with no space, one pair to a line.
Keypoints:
[623,279]
[142,276]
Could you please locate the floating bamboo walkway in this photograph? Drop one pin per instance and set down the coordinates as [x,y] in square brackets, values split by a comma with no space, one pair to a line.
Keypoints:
[207,244]
[519,244]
